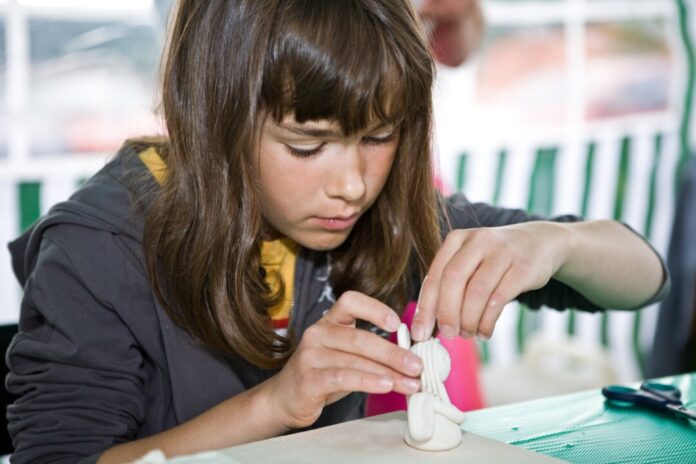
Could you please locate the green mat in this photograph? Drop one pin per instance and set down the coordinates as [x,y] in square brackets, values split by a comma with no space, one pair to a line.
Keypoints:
[582,428]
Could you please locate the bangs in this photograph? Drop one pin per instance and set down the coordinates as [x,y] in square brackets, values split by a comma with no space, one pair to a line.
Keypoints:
[353,62]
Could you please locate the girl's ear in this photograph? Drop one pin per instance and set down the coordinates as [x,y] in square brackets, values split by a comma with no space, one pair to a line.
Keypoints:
[403,337]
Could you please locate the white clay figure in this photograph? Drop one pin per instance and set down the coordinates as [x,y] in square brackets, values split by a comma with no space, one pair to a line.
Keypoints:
[433,421]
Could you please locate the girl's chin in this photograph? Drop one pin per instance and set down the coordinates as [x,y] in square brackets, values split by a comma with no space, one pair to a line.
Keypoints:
[323,241]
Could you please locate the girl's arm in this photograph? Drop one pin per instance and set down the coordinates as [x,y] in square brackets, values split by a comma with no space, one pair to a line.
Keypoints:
[243,418]
[608,263]
[332,360]
[477,271]
[80,361]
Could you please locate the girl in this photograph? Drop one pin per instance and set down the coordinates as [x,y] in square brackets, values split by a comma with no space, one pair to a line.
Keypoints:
[211,288]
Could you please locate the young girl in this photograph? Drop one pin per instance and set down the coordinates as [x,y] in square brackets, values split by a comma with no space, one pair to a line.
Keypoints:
[211,288]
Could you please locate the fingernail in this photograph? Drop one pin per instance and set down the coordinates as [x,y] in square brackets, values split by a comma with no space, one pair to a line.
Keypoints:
[448,331]
[386,382]
[482,337]
[420,292]
[411,385]
[414,364]
[418,333]
[465,334]
[393,322]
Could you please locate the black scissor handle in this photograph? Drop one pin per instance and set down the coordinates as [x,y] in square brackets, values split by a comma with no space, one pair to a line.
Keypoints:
[669,392]
[618,394]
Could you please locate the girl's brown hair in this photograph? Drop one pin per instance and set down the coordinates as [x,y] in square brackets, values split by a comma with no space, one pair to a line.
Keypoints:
[229,64]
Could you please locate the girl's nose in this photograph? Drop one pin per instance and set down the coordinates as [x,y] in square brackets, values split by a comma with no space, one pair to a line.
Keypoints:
[346,179]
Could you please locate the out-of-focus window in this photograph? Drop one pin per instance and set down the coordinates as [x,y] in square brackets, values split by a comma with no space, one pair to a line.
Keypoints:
[523,72]
[629,68]
[92,84]
[3,92]
[522,75]
[561,74]
[556,66]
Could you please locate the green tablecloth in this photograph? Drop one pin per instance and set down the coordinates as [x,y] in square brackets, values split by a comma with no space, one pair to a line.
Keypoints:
[582,428]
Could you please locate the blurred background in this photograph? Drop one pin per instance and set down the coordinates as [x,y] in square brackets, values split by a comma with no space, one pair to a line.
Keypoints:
[577,106]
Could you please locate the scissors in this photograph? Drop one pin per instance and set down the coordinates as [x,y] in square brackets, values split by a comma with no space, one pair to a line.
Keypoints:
[653,395]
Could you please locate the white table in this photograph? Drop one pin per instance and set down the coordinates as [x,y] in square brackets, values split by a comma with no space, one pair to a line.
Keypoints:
[376,439]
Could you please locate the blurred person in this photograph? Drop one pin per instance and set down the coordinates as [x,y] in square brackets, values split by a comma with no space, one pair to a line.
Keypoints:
[674,346]
[212,288]
[455,28]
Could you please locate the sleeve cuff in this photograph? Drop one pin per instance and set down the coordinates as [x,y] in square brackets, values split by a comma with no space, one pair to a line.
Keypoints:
[666,285]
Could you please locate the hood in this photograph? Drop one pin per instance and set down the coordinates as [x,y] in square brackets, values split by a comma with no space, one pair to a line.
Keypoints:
[106,202]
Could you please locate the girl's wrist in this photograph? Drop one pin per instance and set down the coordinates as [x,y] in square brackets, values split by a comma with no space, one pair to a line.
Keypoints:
[570,244]
[267,398]
[260,408]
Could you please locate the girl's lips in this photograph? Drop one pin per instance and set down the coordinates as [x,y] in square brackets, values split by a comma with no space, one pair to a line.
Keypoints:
[337,223]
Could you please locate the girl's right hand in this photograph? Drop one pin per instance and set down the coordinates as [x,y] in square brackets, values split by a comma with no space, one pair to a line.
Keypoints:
[334,359]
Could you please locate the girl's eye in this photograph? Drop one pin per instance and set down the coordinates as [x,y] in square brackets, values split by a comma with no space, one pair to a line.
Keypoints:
[305,152]
[380,138]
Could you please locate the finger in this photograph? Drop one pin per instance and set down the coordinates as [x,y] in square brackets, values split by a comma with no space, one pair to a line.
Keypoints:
[508,288]
[424,319]
[373,347]
[352,306]
[453,286]
[338,380]
[317,358]
[479,289]
[424,316]
[402,384]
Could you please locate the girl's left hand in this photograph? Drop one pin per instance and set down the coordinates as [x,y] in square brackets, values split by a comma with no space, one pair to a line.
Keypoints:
[477,272]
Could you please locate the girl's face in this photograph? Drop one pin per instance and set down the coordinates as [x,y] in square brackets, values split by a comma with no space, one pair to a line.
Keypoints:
[316,182]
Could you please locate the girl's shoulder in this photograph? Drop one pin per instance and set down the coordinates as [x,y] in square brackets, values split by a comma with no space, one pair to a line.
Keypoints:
[102,221]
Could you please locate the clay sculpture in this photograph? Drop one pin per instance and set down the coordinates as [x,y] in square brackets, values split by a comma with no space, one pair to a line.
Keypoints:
[433,421]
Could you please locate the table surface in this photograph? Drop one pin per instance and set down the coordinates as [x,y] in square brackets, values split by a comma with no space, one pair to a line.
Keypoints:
[583,428]
[378,439]
[577,428]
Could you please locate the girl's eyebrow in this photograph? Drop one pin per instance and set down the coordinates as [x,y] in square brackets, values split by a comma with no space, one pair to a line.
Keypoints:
[303,131]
